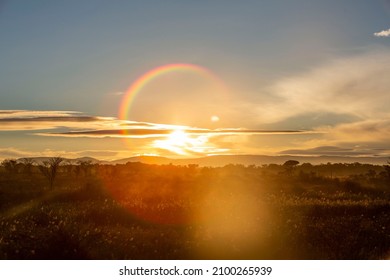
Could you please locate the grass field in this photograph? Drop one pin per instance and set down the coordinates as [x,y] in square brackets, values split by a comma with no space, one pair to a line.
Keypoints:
[139,211]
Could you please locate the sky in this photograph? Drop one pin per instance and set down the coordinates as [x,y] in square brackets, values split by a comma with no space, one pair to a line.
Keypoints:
[303,77]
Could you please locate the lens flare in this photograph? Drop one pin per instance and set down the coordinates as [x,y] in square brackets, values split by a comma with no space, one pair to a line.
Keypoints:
[214,118]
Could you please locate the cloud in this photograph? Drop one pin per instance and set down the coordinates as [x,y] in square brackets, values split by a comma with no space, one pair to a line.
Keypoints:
[48,120]
[9,112]
[141,137]
[158,132]
[64,120]
[336,151]
[360,138]
[122,133]
[75,124]
[383,33]
[31,113]
[373,131]
[358,86]
[43,120]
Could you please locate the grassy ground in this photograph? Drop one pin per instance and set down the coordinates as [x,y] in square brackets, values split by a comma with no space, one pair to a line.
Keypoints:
[198,215]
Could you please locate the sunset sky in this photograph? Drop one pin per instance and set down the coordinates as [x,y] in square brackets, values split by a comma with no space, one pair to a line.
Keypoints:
[114,79]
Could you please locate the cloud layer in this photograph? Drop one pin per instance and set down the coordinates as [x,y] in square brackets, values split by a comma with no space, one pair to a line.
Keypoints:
[336,151]
[94,126]
[21,120]
[151,137]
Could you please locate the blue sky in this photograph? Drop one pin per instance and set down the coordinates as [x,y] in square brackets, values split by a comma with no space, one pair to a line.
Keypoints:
[276,57]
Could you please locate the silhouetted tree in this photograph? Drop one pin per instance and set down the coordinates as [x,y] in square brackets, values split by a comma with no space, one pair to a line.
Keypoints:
[27,165]
[67,166]
[85,166]
[49,169]
[10,165]
[289,166]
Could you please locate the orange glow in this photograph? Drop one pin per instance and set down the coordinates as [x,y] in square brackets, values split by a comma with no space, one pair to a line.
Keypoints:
[180,143]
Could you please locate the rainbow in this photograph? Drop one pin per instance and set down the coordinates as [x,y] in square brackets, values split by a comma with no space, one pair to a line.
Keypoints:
[151,75]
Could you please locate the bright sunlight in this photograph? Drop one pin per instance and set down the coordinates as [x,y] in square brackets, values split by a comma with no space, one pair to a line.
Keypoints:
[181,143]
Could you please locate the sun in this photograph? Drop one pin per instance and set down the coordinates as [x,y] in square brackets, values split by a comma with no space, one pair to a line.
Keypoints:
[181,143]
[178,137]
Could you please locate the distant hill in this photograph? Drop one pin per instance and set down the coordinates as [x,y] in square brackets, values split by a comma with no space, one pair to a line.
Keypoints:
[222,160]
[92,160]
[146,159]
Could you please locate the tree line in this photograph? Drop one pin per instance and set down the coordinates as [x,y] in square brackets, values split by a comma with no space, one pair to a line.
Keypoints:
[291,170]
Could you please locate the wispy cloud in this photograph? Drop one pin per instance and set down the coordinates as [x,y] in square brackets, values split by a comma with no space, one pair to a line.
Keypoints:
[357,86]
[75,124]
[374,130]
[150,137]
[383,33]
[337,151]
[43,120]
[158,132]
[35,114]
[361,138]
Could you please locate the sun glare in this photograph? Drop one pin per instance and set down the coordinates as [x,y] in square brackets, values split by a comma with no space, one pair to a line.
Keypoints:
[179,142]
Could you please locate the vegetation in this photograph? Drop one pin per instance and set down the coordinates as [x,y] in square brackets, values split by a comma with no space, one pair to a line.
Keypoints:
[49,169]
[140,211]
